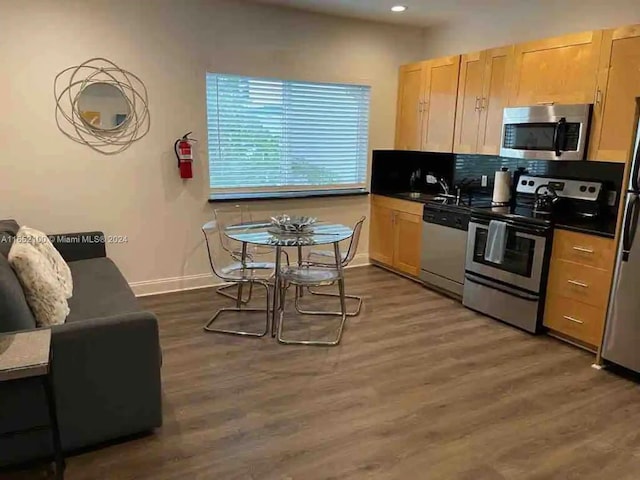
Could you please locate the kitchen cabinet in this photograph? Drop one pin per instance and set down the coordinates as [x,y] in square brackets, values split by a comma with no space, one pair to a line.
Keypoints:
[482,95]
[580,277]
[467,124]
[556,70]
[616,107]
[409,108]
[395,233]
[439,103]
[426,106]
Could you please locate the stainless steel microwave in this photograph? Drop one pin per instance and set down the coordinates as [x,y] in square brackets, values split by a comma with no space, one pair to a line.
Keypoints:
[546,132]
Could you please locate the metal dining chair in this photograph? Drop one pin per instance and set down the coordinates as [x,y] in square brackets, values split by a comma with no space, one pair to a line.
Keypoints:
[305,276]
[230,269]
[326,258]
[236,215]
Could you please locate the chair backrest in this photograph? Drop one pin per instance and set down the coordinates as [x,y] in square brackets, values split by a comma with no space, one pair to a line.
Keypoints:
[219,258]
[353,245]
[226,217]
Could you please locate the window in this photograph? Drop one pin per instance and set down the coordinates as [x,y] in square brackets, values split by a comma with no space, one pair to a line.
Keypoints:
[268,135]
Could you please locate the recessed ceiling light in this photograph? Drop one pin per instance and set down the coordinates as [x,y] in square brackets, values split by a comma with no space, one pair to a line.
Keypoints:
[398,8]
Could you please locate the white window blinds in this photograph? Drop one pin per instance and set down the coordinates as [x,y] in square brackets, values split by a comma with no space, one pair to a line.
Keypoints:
[275,135]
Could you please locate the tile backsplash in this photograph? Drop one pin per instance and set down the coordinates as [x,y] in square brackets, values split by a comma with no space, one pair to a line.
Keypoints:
[391,169]
[472,167]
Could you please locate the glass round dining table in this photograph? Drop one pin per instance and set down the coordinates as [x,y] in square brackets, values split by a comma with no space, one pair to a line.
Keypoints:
[264,233]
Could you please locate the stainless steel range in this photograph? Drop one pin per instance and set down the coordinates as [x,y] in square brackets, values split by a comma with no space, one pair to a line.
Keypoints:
[508,249]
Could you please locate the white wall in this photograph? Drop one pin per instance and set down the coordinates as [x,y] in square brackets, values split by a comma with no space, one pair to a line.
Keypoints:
[527,20]
[51,183]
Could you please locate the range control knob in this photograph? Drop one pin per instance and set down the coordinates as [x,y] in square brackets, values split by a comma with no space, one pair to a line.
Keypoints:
[523,182]
[592,189]
[583,188]
[531,183]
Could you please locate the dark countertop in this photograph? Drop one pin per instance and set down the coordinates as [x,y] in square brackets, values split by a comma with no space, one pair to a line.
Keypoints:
[602,227]
[420,198]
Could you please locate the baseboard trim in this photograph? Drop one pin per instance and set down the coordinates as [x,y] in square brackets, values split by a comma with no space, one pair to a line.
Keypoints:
[202,280]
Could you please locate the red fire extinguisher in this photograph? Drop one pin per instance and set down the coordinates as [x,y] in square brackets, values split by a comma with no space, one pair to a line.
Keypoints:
[184,154]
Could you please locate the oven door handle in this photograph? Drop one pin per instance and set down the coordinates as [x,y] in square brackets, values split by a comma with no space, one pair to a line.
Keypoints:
[540,232]
[503,288]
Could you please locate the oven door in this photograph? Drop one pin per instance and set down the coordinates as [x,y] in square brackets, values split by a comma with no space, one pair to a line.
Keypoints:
[523,262]
[555,132]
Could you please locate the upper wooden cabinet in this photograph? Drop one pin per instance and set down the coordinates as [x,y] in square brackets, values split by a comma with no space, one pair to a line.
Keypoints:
[482,94]
[556,70]
[439,103]
[409,109]
[467,123]
[616,109]
[427,94]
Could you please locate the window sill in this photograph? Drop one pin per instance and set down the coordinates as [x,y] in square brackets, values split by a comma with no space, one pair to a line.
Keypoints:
[257,196]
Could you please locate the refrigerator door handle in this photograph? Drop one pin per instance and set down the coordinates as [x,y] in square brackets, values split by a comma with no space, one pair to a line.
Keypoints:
[630,225]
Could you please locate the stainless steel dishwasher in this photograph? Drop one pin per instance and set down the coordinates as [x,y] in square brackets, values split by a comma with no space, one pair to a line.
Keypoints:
[444,246]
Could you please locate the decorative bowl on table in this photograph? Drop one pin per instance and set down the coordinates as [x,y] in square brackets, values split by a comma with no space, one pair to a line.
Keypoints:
[292,225]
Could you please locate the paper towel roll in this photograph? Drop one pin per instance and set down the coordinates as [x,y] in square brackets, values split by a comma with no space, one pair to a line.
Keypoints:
[501,187]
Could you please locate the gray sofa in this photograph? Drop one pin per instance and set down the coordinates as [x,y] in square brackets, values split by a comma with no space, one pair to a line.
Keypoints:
[106,357]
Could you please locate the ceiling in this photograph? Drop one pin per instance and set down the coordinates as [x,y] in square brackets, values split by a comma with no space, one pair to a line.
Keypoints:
[422,13]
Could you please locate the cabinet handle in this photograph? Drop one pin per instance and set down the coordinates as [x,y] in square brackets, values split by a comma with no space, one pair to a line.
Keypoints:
[582,249]
[571,319]
[598,96]
[478,107]
[546,103]
[578,284]
[483,103]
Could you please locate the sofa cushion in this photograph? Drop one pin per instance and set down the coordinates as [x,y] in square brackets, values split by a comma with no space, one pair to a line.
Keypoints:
[15,313]
[8,231]
[99,290]
[41,242]
[42,289]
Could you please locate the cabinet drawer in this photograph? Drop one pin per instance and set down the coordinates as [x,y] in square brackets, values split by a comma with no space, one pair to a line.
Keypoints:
[575,319]
[585,284]
[584,249]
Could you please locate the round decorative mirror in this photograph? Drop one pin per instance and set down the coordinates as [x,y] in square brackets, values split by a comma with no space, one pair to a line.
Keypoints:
[103,106]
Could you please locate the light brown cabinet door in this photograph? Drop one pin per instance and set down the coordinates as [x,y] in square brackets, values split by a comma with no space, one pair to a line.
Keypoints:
[407,231]
[616,107]
[409,108]
[381,236]
[439,107]
[469,100]
[556,70]
[494,99]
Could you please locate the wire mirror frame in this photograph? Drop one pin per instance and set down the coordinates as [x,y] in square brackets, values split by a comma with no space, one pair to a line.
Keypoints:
[69,85]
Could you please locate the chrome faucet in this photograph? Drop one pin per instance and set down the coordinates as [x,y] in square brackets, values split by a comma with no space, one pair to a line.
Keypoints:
[443,184]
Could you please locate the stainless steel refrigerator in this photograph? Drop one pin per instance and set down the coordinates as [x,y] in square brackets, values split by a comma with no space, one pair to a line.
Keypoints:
[622,334]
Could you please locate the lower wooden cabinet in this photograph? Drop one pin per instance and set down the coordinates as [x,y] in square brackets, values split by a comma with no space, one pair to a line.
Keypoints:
[578,289]
[574,319]
[395,233]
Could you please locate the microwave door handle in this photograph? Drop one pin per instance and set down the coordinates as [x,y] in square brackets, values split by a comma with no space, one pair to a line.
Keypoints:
[560,136]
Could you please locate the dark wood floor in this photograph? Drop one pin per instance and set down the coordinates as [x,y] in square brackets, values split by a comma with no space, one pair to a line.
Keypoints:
[420,388]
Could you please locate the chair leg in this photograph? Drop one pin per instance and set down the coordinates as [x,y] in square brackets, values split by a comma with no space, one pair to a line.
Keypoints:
[321,343]
[223,291]
[208,328]
[355,313]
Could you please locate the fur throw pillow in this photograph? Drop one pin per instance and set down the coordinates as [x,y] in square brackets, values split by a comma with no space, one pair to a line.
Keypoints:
[42,289]
[42,243]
